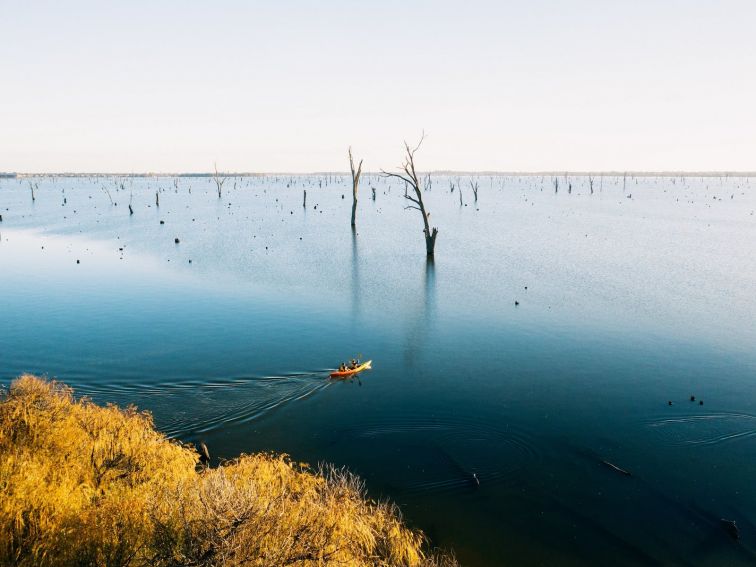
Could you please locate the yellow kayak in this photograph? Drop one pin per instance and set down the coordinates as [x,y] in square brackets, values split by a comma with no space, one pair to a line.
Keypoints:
[352,371]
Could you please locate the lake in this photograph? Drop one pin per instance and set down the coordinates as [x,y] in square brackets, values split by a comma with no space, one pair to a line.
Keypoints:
[538,353]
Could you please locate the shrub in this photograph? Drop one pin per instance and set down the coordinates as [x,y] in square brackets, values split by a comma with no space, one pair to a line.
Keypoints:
[82,484]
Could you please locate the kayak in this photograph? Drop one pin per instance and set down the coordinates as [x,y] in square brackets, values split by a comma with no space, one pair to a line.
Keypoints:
[348,372]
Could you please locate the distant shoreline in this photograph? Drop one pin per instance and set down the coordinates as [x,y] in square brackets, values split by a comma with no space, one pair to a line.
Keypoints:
[21,175]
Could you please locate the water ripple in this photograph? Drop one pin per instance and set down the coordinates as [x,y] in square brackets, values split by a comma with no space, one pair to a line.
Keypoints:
[704,429]
[447,454]
[192,407]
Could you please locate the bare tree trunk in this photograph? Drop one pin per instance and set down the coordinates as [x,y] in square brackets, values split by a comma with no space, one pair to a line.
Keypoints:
[304,199]
[430,241]
[219,181]
[355,185]
[474,187]
[411,179]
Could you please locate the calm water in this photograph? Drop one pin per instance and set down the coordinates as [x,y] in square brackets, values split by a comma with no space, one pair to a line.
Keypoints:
[628,298]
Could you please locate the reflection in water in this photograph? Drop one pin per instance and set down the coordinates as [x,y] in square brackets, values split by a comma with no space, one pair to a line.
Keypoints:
[422,323]
[356,290]
[430,283]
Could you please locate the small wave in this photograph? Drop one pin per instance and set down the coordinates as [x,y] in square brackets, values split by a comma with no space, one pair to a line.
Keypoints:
[192,407]
[704,429]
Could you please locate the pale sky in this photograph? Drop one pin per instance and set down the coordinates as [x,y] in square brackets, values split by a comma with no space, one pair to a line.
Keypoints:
[289,85]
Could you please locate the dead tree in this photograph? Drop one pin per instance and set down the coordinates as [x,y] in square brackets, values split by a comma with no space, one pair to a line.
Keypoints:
[474,187]
[31,186]
[590,183]
[355,185]
[104,189]
[409,176]
[219,181]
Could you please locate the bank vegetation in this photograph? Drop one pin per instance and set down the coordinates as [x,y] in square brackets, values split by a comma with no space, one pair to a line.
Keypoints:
[82,484]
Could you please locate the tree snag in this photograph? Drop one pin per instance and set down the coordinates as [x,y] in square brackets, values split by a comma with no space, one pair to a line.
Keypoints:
[219,181]
[355,184]
[474,187]
[409,176]
[103,188]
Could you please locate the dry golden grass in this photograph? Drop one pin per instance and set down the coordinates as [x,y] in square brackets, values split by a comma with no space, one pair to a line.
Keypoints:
[82,484]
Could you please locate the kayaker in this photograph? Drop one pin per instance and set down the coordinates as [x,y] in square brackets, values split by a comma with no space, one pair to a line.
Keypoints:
[350,368]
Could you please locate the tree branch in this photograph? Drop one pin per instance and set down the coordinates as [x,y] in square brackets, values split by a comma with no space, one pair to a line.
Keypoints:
[397,175]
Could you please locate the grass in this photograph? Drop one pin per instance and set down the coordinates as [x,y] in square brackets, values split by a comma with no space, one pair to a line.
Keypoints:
[82,484]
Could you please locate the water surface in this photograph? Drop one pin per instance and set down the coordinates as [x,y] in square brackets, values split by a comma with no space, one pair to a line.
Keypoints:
[641,293]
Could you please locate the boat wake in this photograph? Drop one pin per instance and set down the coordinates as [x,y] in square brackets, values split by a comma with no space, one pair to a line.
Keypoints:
[195,407]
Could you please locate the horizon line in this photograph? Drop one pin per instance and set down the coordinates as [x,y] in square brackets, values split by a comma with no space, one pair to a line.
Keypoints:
[444,172]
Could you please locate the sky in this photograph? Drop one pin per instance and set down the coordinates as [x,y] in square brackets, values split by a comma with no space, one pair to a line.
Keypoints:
[289,85]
